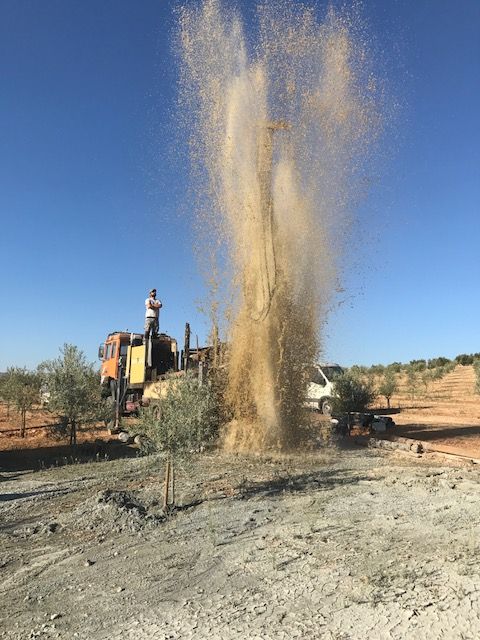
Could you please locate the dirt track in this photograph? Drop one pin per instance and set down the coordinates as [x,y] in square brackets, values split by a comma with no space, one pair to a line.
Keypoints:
[348,544]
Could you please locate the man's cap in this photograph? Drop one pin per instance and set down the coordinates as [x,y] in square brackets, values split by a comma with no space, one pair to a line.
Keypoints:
[153,291]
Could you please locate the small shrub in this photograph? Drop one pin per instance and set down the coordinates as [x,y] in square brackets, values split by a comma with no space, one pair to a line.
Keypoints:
[418,365]
[187,419]
[438,362]
[360,369]
[412,381]
[427,376]
[376,369]
[388,386]
[449,367]
[352,393]
[21,388]
[437,373]
[396,367]
[476,368]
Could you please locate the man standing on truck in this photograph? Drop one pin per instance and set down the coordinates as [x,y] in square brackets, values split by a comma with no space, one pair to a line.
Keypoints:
[152,308]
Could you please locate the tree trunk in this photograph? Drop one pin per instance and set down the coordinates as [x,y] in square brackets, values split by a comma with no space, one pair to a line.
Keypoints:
[388,403]
[24,422]
[73,433]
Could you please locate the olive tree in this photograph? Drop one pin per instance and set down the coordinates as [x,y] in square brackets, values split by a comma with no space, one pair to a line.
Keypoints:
[21,388]
[388,385]
[186,420]
[476,368]
[427,376]
[352,392]
[74,388]
[412,381]
[5,392]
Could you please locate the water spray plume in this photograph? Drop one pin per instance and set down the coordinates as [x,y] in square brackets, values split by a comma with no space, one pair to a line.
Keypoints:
[278,135]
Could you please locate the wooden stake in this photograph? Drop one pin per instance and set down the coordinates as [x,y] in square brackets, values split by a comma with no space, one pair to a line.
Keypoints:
[169,486]
[166,485]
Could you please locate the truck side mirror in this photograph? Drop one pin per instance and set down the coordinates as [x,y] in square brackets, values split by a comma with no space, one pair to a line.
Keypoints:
[101,351]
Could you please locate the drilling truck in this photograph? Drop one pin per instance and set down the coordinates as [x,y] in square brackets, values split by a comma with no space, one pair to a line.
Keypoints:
[131,366]
[134,370]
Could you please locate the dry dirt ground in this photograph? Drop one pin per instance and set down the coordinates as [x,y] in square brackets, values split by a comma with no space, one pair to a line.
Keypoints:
[341,543]
[447,414]
[344,542]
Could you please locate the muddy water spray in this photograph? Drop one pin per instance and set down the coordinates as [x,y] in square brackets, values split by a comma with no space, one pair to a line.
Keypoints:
[276,136]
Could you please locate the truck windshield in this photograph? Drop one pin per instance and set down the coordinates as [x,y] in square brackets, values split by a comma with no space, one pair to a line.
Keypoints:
[331,373]
[316,376]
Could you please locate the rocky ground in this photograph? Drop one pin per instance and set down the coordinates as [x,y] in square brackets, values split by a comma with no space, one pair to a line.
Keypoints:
[336,543]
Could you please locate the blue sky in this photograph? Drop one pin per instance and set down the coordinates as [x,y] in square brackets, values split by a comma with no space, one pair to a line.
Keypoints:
[93,204]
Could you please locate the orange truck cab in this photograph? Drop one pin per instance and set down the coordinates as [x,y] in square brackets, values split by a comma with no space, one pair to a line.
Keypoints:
[115,347]
[129,366]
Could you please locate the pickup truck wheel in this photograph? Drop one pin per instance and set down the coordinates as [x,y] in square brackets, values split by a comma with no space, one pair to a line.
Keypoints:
[326,406]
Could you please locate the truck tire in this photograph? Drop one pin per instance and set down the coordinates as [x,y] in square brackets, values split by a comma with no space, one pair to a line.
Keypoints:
[325,406]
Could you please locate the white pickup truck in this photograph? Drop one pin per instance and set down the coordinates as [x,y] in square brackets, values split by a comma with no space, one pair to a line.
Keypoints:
[320,388]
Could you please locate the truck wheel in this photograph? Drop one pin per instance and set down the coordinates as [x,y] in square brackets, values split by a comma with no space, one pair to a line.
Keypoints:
[326,406]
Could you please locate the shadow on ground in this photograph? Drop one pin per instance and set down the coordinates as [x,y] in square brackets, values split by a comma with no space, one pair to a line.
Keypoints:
[429,432]
[56,456]
[5,497]
[385,411]
[316,480]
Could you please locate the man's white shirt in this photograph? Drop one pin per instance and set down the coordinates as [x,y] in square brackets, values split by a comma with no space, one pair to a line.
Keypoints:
[152,313]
